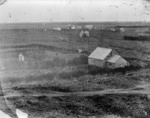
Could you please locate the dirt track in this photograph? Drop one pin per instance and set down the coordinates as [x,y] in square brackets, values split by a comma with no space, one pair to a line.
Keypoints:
[86,93]
[143,89]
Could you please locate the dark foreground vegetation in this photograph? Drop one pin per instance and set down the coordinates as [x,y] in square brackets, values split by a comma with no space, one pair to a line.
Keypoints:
[137,38]
[135,106]
[95,70]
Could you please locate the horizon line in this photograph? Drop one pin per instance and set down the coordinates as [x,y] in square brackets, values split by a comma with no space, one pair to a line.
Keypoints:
[78,22]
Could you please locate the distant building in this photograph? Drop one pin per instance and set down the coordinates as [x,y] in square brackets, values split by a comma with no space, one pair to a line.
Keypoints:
[69,26]
[57,28]
[106,58]
[1,66]
[84,34]
[80,50]
[122,30]
[142,30]
[89,27]
[112,29]
[79,27]
[21,57]
[73,27]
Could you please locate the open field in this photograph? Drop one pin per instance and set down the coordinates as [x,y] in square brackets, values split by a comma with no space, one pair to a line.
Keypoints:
[53,65]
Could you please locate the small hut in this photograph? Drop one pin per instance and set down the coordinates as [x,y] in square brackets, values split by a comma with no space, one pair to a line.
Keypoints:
[89,27]
[122,30]
[1,66]
[84,34]
[21,57]
[73,27]
[112,29]
[99,56]
[116,61]
[79,27]
[106,58]
[57,28]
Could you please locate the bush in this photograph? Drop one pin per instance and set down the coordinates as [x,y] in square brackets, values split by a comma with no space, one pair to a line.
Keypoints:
[118,82]
[122,105]
[55,62]
[137,38]
[96,70]
[69,75]
[79,60]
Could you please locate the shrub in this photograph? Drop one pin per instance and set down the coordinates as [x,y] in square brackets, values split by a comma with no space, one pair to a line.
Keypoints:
[69,75]
[55,62]
[82,59]
[96,70]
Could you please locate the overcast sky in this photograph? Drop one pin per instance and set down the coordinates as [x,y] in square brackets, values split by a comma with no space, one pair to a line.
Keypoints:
[74,10]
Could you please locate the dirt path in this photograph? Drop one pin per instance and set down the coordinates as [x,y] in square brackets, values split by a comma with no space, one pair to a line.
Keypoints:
[83,93]
[143,89]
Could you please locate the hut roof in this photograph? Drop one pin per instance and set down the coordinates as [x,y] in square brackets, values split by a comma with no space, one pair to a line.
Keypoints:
[100,53]
[114,58]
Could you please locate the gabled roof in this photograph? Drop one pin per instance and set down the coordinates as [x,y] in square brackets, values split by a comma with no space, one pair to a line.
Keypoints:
[114,58]
[100,53]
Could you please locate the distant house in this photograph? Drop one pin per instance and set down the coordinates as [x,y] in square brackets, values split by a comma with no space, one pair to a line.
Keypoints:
[106,58]
[84,34]
[142,30]
[57,28]
[79,27]
[80,50]
[89,27]
[73,27]
[21,57]
[122,30]
[1,66]
[69,26]
[112,29]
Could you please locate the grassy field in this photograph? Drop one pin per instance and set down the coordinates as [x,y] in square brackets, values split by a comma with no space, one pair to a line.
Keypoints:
[54,65]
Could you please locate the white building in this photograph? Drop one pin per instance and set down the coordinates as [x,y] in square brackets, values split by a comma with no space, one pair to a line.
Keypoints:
[57,28]
[1,66]
[142,30]
[84,34]
[89,27]
[21,57]
[69,26]
[116,61]
[79,27]
[98,56]
[106,58]
[112,29]
[122,30]
[73,27]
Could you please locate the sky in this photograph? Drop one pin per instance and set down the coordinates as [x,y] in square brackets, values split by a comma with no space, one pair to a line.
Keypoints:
[17,11]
